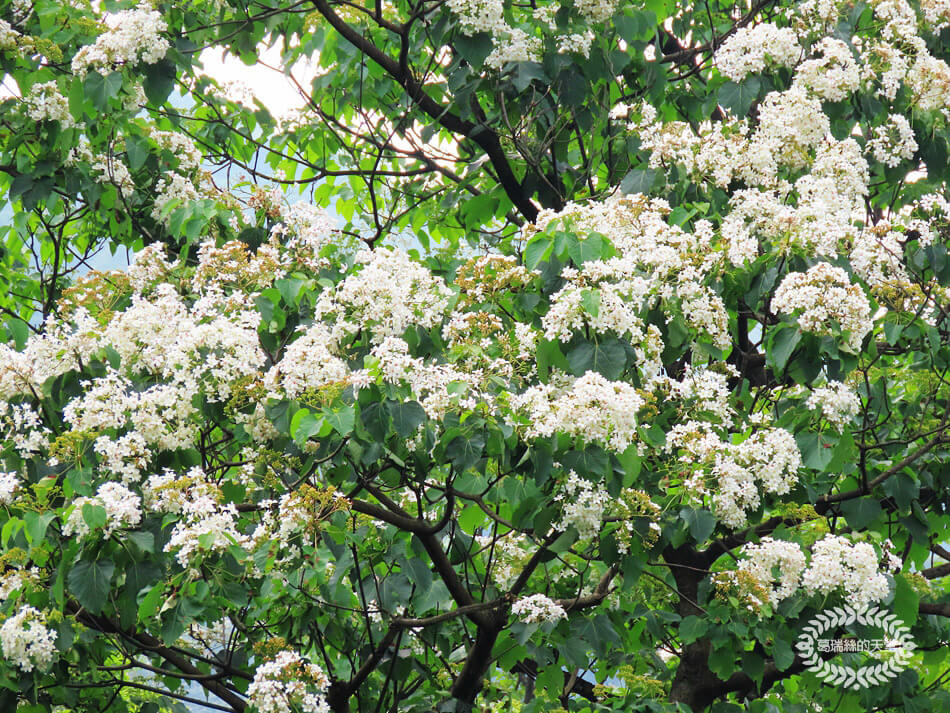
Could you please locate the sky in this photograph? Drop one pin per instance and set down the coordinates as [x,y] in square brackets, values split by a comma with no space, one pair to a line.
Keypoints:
[274,90]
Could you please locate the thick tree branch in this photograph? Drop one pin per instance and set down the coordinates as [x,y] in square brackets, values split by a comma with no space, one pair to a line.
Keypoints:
[935,608]
[737,539]
[594,598]
[480,134]
[824,502]
[941,570]
[155,646]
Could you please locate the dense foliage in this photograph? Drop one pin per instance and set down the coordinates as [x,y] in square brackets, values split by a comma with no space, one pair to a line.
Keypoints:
[552,356]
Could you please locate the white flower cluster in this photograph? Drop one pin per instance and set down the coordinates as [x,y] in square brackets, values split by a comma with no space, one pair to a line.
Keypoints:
[309,362]
[133,36]
[657,262]
[750,48]
[776,564]
[521,42]
[16,581]
[837,402]
[824,301]
[929,82]
[44,102]
[538,609]
[25,640]
[820,220]
[767,461]
[877,256]
[836,563]
[149,268]
[618,303]
[589,408]
[21,425]
[936,14]
[705,390]
[515,46]
[791,124]
[9,484]
[582,506]
[893,141]
[437,387]
[390,293]
[106,167]
[206,526]
[578,42]
[479,15]
[288,684]
[172,189]
[900,20]
[306,231]
[125,456]
[834,75]
[123,509]
[596,10]
[8,37]
[181,147]
[509,554]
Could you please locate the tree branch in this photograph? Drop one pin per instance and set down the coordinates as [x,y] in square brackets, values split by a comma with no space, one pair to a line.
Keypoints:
[154,645]
[480,134]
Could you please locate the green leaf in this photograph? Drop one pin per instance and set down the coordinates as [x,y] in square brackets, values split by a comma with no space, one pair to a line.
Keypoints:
[906,601]
[586,249]
[549,355]
[159,81]
[753,665]
[289,288]
[607,357]
[20,185]
[782,653]
[816,451]
[630,461]
[407,417]
[141,575]
[692,628]
[784,342]
[420,575]
[89,582]
[474,48]
[174,623]
[305,425]
[590,301]
[572,88]
[101,89]
[638,180]
[738,98]
[471,518]
[145,541]
[527,72]
[722,661]
[95,516]
[36,525]
[342,419]
[136,150]
[465,452]
[149,604]
[628,27]
[701,523]
[861,512]
[592,462]
[537,251]
[375,418]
